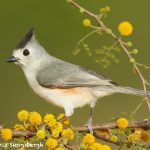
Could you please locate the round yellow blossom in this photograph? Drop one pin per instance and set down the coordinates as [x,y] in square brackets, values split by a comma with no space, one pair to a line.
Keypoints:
[35,118]
[48,117]
[65,121]
[57,127]
[96,146]
[125,28]
[6,134]
[88,139]
[122,123]
[134,138]
[23,115]
[51,143]
[145,136]
[114,138]
[52,122]
[19,127]
[105,147]
[68,134]
[55,134]
[86,22]
[40,134]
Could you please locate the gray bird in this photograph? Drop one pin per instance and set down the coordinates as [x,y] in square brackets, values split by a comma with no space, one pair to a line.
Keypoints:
[61,83]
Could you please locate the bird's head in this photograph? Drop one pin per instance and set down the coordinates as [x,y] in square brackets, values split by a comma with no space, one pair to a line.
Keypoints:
[28,51]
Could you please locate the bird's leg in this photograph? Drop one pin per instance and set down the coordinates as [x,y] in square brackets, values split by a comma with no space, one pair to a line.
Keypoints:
[90,121]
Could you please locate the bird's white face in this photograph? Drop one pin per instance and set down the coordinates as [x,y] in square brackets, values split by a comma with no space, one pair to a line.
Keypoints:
[25,56]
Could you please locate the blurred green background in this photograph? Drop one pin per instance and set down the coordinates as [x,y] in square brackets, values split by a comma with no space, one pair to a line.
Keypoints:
[59,28]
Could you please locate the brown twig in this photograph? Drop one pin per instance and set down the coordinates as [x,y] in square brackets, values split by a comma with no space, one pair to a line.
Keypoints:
[98,136]
[121,43]
[70,147]
[140,124]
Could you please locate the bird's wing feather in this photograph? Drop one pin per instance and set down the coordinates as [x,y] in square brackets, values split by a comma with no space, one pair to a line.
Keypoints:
[60,74]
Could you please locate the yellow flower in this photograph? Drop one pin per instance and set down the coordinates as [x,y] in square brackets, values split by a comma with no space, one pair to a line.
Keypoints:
[58,126]
[122,123]
[55,134]
[48,117]
[35,118]
[96,146]
[105,147]
[134,138]
[19,127]
[86,22]
[88,139]
[65,121]
[125,28]
[68,134]
[51,143]
[6,134]
[52,122]
[40,134]
[23,115]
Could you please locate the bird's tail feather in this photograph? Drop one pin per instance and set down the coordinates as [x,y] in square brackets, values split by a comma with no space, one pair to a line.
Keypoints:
[132,91]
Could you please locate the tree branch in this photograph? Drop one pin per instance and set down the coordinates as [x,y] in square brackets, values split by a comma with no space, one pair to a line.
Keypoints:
[121,43]
[140,124]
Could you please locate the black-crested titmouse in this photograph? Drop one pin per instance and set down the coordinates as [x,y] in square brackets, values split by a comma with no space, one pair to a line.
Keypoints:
[59,82]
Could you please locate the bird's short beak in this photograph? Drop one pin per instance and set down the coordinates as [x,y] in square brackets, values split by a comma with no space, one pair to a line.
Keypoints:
[12,59]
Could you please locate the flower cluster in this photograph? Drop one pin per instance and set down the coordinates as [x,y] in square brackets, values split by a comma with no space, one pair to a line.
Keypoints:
[89,142]
[56,132]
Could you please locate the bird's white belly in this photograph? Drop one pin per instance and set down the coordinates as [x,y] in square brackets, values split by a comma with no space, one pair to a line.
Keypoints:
[74,97]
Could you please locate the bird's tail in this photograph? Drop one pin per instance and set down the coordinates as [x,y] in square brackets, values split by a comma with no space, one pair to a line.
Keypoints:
[132,91]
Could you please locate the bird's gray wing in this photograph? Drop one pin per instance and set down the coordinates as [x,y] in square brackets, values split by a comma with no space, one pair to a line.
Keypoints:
[64,75]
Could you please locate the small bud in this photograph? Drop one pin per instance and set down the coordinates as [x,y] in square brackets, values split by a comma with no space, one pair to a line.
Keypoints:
[121,132]
[109,31]
[135,51]
[82,10]
[132,60]
[107,9]
[102,10]
[86,22]
[114,138]
[129,43]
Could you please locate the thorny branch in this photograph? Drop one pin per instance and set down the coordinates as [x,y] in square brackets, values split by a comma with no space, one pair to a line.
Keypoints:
[121,43]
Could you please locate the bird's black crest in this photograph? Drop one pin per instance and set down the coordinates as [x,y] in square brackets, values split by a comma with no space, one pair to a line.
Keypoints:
[25,39]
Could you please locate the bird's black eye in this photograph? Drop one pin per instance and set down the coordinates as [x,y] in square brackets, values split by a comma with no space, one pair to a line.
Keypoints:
[26,52]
